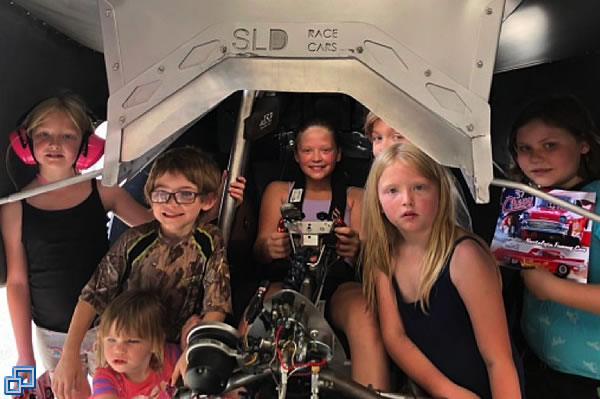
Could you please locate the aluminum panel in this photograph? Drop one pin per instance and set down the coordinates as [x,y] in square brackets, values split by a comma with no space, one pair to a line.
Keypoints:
[425,67]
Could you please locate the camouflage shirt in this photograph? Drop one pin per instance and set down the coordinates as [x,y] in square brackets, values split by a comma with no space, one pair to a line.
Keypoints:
[187,282]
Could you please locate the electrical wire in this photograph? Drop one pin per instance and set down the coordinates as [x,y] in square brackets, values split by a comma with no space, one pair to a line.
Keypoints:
[320,363]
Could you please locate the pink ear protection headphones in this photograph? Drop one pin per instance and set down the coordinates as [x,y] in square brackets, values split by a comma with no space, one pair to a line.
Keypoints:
[90,150]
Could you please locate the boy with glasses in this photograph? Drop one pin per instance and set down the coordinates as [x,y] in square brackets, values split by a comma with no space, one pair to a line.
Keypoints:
[177,255]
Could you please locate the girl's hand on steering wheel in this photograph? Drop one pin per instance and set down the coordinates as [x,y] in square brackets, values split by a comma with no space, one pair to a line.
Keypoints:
[348,243]
[278,246]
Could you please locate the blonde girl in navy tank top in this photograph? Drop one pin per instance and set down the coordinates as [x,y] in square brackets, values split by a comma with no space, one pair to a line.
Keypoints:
[436,287]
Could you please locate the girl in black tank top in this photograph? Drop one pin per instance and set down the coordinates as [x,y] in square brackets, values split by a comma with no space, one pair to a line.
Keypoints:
[437,289]
[54,241]
[56,280]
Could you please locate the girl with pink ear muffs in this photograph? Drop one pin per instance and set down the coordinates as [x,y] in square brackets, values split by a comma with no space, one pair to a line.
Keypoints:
[54,241]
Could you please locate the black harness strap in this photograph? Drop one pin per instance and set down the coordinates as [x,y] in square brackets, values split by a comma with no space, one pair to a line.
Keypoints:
[204,242]
[206,247]
[337,207]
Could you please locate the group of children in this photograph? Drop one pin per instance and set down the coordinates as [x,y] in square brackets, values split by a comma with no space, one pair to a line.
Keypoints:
[429,295]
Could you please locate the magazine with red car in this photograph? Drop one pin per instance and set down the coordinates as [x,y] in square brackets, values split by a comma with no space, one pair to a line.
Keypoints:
[533,232]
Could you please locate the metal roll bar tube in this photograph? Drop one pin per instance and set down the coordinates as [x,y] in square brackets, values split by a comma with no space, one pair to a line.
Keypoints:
[239,152]
[330,380]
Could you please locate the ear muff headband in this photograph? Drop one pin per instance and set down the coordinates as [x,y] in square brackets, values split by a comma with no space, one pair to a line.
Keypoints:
[21,144]
[90,150]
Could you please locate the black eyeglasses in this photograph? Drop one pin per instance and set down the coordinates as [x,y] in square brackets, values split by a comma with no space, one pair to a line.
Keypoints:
[181,197]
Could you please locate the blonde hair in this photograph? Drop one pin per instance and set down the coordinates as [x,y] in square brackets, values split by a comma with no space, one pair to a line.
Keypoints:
[383,239]
[196,165]
[137,313]
[69,104]
[370,121]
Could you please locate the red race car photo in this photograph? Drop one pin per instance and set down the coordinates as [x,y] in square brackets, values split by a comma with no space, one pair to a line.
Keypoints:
[549,222]
[552,259]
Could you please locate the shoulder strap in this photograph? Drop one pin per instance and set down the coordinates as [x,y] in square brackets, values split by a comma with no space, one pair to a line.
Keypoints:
[206,247]
[135,252]
[461,239]
[297,192]
[339,188]
[204,242]
[397,290]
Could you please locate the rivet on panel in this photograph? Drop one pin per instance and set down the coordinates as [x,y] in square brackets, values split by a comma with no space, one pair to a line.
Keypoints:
[116,66]
[161,68]
[107,13]
[470,127]
[489,11]
[359,50]
[122,119]
[223,49]
[479,64]
[428,72]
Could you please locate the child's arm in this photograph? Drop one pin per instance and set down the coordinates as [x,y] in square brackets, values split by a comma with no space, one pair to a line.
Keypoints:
[475,276]
[236,191]
[95,296]
[214,316]
[17,282]
[117,200]
[104,385]
[270,244]
[405,353]
[216,302]
[546,286]
[68,375]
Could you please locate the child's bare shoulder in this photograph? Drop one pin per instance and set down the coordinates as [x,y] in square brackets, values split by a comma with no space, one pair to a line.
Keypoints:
[10,215]
[277,187]
[469,247]
[276,192]
[11,207]
[471,256]
[355,193]
[136,232]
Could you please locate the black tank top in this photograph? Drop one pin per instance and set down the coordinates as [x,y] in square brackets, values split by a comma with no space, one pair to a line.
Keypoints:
[63,249]
[445,335]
